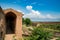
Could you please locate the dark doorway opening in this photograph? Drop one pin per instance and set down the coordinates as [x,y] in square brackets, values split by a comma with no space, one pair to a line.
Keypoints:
[1,35]
[10,23]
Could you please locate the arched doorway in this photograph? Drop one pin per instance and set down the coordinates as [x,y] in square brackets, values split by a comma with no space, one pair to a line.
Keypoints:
[10,23]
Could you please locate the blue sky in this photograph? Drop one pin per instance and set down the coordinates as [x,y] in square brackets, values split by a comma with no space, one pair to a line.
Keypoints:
[36,10]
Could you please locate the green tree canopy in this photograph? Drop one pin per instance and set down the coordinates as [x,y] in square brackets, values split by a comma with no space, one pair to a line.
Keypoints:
[28,21]
[23,21]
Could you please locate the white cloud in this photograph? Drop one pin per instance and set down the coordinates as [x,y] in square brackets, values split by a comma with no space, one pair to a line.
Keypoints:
[28,7]
[20,11]
[49,16]
[35,14]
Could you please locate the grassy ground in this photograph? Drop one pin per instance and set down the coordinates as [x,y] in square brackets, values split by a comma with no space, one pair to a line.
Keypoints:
[56,32]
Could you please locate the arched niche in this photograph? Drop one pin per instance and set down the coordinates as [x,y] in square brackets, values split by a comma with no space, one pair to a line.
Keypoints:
[10,22]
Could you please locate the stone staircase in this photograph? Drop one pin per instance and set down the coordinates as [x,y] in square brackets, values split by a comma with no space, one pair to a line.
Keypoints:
[9,37]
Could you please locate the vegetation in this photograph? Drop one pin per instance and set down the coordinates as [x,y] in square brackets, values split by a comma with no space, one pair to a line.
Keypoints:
[23,21]
[26,21]
[42,31]
[40,34]
[58,38]
[51,26]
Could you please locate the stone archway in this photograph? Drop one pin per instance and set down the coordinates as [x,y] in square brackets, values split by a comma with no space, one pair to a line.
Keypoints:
[10,23]
[13,21]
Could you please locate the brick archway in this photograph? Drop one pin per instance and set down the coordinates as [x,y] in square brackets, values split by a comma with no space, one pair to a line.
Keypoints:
[17,24]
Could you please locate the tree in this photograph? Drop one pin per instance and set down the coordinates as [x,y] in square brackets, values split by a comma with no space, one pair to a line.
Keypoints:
[23,21]
[28,21]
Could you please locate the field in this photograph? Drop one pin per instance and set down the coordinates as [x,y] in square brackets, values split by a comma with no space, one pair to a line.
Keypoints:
[45,26]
